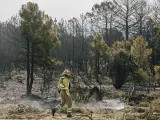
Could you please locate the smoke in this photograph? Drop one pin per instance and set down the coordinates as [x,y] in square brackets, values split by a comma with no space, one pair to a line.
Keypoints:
[114,104]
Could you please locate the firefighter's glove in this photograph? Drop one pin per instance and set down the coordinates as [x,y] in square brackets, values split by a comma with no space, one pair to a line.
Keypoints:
[67,92]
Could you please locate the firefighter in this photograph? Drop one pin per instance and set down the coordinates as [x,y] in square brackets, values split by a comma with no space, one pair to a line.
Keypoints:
[63,88]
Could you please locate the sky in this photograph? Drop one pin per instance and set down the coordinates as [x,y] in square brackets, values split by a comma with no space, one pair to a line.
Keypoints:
[55,8]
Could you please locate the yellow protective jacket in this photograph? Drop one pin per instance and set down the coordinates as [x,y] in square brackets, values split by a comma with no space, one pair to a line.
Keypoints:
[63,84]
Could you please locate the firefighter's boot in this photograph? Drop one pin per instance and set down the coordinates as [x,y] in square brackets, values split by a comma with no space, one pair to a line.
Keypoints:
[69,114]
[54,111]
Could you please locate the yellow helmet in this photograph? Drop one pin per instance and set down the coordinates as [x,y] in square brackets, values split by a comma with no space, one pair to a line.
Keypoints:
[67,73]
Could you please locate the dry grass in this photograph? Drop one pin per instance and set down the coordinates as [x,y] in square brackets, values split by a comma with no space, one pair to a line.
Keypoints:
[21,109]
[143,111]
[147,109]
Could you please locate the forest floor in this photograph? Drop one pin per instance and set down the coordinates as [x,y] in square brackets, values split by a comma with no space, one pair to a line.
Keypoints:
[14,105]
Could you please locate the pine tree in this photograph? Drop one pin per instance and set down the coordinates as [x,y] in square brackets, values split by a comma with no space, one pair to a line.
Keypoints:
[37,28]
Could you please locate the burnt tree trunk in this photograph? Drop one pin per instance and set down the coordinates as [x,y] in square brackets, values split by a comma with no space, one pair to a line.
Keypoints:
[32,69]
[28,66]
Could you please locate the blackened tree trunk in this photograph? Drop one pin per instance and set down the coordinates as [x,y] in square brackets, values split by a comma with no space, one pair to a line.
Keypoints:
[140,26]
[127,31]
[82,49]
[96,69]
[97,66]
[28,66]
[106,31]
[32,69]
